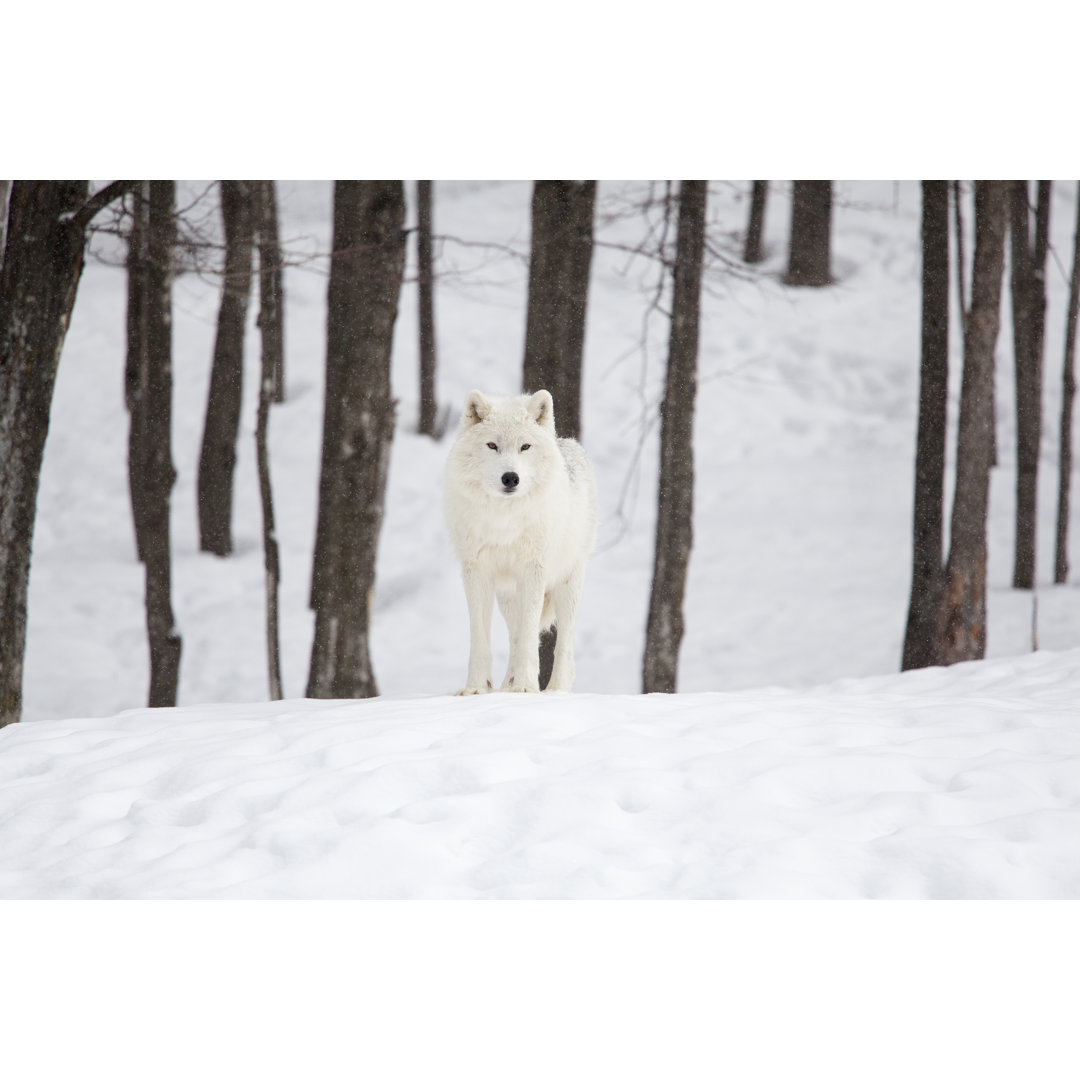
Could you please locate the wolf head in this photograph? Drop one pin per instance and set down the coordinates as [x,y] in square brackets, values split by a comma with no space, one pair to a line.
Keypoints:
[507,446]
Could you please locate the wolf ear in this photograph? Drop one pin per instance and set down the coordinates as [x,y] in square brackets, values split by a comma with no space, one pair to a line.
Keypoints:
[541,409]
[476,409]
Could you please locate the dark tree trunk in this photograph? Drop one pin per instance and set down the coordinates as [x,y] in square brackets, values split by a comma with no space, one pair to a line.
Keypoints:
[217,459]
[961,623]
[810,257]
[1068,394]
[930,441]
[271,321]
[149,399]
[425,279]
[754,252]
[675,510]
[559,263]
[1029,317]
[271,307]
[5,192]
[561,255]
[39,275]
[358,426]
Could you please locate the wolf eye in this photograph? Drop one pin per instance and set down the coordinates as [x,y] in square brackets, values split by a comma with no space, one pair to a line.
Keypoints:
[525,446]
[492,446]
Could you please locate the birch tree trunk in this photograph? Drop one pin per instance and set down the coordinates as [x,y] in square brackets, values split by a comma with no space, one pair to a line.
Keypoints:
[358,426]
[930,439]
[961,622]
[675,507]
[217,459]
[40,268]
[1068,394]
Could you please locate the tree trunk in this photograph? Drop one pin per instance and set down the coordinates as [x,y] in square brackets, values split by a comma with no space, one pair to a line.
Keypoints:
[559,263]
[5,192]
[271,307]
[930,440]
[961,623]
[358,426]
[39,276]
[217,459]
[271,321]
[675,510]
[425,276]
[149,398]
[1068,393]
[561,256]
[1029,317]
[810,258]
[754,251]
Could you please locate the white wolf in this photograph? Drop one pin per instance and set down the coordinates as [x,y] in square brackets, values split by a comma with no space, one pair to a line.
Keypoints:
[521,510]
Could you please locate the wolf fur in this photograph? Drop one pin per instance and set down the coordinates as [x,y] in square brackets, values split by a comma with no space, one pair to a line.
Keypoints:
[521,510]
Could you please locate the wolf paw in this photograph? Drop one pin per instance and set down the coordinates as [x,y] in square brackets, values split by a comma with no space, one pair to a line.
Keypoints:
[468,691]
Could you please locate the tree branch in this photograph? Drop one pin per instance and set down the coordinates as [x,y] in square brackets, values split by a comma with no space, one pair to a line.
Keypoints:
[96,203]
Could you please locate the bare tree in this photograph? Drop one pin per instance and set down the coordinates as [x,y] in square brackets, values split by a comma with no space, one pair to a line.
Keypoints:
[271,320]
[1029,319]
[1068,394]
[358,426]
[930,440]
[675,509]
[149,401]
[40,267]
[217,459]
[810,253]
[754,250]
[425,280]
[961,622]
[559,263]
[271,333]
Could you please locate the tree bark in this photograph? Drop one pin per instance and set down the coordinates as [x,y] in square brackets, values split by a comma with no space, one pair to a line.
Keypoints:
[1068,394]
[39,277]
[1028,279]
[810,256]
[425,275]
[930,440]
[961,622]
[559,264]
[754,252]
[271,321]
[561,256]
[358,426]
[271,308]
[217,459]
[5,192]
[675,509]
[149,399]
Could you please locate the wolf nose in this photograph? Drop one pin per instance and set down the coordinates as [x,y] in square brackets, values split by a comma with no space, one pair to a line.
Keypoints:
[510,480]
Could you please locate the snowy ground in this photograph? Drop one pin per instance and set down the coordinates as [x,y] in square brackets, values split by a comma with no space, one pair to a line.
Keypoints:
[958,784]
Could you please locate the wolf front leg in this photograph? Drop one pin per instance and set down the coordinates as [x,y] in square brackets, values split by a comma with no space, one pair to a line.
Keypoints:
[565,598]
[523,620]
[480,597]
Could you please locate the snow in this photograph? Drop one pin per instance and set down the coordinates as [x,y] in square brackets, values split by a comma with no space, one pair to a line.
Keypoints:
[794,763]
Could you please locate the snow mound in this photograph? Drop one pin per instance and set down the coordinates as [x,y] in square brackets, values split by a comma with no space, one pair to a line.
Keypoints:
[945,783]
